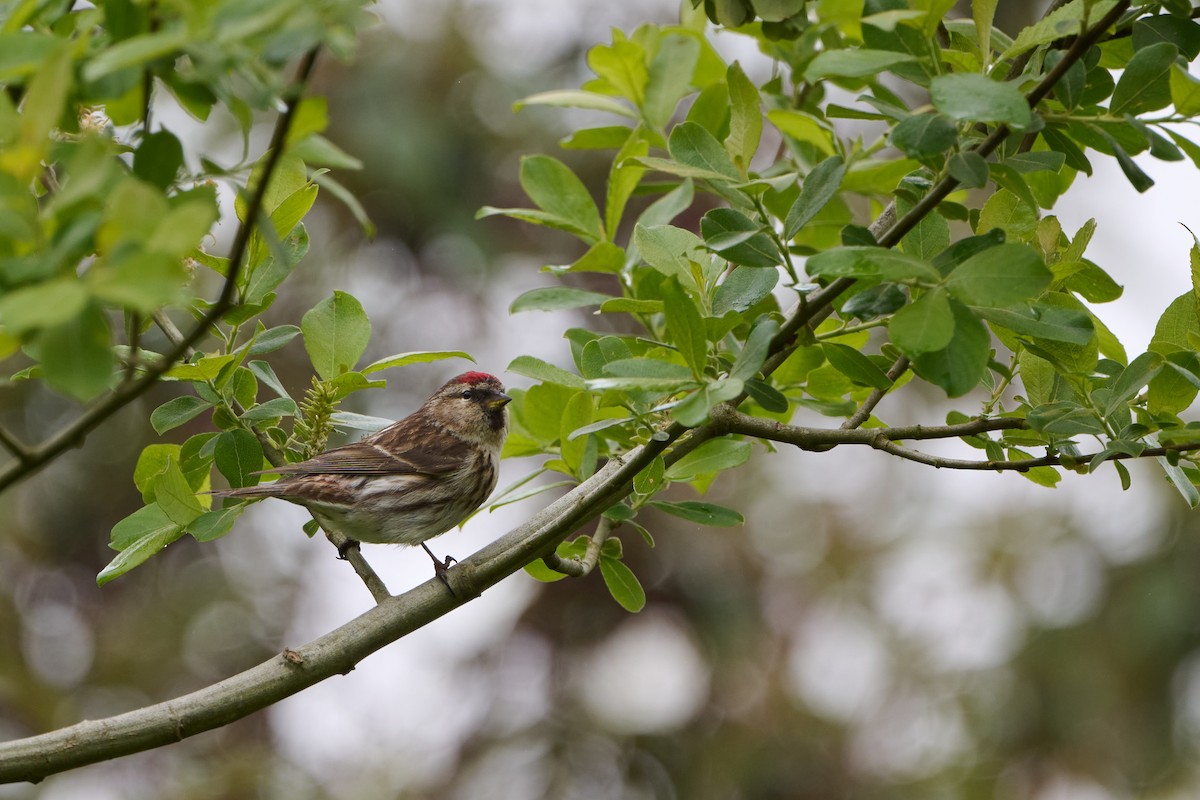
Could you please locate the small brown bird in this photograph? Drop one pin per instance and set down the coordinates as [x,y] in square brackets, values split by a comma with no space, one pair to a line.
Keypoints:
[413,480]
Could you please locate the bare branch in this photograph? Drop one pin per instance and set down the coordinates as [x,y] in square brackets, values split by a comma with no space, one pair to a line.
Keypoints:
[819,439]
[10,443]
[74,434]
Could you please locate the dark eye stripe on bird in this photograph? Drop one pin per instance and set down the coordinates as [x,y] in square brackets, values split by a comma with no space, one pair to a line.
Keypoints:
[411,481]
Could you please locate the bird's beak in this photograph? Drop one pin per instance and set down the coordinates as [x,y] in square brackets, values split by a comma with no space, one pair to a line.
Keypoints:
[498,402]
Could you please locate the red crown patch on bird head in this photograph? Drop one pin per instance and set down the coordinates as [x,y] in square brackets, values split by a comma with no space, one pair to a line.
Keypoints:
[473,378]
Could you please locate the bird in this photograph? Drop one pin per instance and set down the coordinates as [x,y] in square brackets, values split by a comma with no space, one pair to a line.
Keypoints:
[411,481]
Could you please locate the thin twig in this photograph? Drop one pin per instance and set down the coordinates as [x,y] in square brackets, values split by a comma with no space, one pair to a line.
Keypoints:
[10,443]
[885,439]
[898,368]
[579,567]
[75,433]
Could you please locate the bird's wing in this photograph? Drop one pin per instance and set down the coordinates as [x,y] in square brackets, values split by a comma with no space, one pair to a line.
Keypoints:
[366,458]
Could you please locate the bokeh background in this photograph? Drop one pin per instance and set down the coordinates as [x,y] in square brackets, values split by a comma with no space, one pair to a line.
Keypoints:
[877,629]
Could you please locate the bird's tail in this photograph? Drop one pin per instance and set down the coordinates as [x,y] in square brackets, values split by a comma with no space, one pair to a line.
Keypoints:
[248,492]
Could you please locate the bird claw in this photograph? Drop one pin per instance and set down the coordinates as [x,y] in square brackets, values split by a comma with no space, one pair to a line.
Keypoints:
[441,566]
[345,548]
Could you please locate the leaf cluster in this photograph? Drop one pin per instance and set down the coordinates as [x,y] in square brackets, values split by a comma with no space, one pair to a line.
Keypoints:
[753,280]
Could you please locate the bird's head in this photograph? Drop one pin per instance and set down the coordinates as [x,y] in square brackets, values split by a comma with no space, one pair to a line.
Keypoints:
[473,404]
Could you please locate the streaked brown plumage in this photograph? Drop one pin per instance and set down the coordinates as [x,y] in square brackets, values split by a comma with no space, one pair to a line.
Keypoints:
[411,481]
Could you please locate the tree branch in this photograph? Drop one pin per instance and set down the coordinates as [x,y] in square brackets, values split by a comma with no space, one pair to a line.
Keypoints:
[579,567]
[898,368]
[75,433]
[729,420]
[335,653]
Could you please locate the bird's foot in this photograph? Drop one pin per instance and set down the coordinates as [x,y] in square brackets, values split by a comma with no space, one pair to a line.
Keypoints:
[345,548]
[440,566]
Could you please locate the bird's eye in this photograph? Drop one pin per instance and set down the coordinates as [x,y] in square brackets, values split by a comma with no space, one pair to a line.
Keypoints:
[467,394]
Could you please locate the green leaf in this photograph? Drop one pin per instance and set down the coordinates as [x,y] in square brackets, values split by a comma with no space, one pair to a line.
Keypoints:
[685,326]
[77,356]
[540,572]
[238,454]
[983,12]
[669,250]
[817,190]
[158,158]
[556,298]
[136,51]
[174,496]
[1183,33]
[714,455]
[924,135]
[1042,321]
[670,77]
[574,98]
[207,368]
[579,411]
[1006,211]
[1145,85]
[693,410]
[743,288]
[767,396]
[272,409]
[855,366]
[1132,379]
[999,277]
[622,66]
[1133,173]
[413,357]
[972,97]
[139,536]
[140,281]
[853,64]
[555,189]
[628,305]
[652,479]
[151,462]
[215,523]
[273,339]
[647,368]
[1185,92]
[745,120]
[622,584]
[870,262]
[42,305]
[336,332]
[1065,419]
[754,352]
[542,371]
[623,178]
[701,513]
[692,145]
[923,326]
[176,412]
[1062,22]
[739,239]
[639,384]
[959,366]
